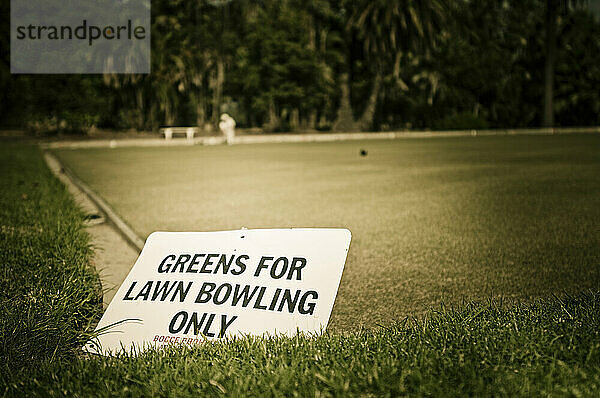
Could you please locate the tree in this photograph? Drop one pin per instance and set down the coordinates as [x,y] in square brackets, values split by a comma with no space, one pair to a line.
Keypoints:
[389,29]
[554,8]
[276,72]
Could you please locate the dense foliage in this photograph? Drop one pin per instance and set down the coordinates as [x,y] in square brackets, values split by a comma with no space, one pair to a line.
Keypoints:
[322,64]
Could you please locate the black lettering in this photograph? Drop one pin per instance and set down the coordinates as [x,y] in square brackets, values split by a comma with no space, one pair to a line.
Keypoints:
[172,328]
[224,263]
[40,29]
[274,301]
[127,296]
[182,293]
[67,29]
[297,268]
[145,292]
[140,32]
[109,33]
[287,296]
[309,308]
[52,33]
[225,324]
[183,258]
[195,261]
[162,289]
[207,326]
[194,322]
[227,288]
[21,32]
[262,265]
[30,29]
[259,299]
[204,294]
[163,264]
[243,295]
[82,28]
[207,262]
[95,34]
[274,273]
[240,263]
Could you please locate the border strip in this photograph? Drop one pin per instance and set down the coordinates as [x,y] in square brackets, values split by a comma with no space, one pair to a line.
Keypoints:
[131,237]
[323,137]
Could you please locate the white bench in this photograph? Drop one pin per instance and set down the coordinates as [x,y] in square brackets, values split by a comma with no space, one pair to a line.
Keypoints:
[189,132]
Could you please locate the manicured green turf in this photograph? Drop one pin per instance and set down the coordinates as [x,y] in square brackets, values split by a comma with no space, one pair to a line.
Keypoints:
[432,220]
[551,347]
[49,294]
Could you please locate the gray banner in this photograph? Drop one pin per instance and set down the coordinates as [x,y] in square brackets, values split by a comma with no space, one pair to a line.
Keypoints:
[80,36]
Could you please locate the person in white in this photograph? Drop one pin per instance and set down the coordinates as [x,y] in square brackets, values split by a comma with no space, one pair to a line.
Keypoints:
[227,126]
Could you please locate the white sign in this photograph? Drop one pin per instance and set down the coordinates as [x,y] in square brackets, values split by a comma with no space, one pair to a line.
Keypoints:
[187,287]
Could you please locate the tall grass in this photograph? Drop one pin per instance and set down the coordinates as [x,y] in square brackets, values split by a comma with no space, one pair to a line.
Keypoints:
[549,347]
[49,295]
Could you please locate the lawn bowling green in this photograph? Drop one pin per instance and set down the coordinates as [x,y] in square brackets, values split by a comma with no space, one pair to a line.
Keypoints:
[432,219]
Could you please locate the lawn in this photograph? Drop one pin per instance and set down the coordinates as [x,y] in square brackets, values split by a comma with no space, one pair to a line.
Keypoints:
[433,220]
[49,292]
[549,348]
[49,300]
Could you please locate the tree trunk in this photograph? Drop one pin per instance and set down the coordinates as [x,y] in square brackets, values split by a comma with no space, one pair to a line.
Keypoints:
[344,120]
[199,99]
[366,120]
[323,123]
[312,120]
[170,112]
[200,104]
[139,98]
[551,7]
[273,121]
[154,123]
[218,94]
[200,112]
[294,119]
[312,34]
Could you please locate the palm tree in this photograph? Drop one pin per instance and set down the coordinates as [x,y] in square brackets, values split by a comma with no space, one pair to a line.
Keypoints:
[389,29]
[553,9]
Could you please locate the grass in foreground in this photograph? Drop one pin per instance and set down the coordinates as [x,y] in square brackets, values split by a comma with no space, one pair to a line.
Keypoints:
[432,220]
[48,292]
[48,296]
[549,347]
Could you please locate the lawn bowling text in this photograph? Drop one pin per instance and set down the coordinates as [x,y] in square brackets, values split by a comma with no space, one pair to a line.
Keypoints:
[253,297]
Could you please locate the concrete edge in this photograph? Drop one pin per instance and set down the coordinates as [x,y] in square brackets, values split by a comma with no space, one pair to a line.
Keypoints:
[323,137]
[82,200]
[131,237]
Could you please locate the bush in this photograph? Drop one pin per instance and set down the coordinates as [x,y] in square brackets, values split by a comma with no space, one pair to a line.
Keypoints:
[462,121]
